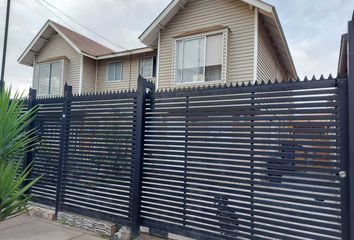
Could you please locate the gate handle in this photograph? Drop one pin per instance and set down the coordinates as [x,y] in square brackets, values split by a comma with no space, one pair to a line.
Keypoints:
[343,174]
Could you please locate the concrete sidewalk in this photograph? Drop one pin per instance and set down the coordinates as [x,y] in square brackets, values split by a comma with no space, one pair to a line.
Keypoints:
[31,228]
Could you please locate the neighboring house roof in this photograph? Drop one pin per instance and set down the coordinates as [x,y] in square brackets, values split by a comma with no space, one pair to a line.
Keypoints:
[343,56]
[126,53]
[80,43]
[268,12]
[85,44]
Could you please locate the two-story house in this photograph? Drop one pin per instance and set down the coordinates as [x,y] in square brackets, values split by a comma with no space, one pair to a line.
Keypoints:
[192,42]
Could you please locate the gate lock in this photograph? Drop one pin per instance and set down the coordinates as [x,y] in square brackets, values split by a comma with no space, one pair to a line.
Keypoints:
[343,174]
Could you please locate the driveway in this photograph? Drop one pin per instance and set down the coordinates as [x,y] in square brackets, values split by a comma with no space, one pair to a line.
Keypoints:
[31,228]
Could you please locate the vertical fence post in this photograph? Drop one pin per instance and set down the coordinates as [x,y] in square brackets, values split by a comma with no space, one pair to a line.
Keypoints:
[351,123]
[344,156]
[185,174]
[143,85]
[252,167]
[31,103]
[62,148]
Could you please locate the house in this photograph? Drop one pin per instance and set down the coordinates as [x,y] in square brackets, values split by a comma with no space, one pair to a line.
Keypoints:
[343,56]
[343,63]
[195,42]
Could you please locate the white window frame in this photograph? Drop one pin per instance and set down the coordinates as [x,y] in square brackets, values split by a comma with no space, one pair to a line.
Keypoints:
[224,34]
[107,67]
[37,65]
[152,70]
[176,50]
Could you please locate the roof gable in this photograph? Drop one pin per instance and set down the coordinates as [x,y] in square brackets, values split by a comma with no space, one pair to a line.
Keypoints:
[149,35]
[268,12]
[85,44]
[80,43]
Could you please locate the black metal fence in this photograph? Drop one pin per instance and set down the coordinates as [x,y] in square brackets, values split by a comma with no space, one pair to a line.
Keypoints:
[264,161]
[86,153]
[254,162]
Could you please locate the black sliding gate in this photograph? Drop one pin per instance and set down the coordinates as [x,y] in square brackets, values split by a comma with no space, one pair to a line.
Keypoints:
[264,161]
[252,162]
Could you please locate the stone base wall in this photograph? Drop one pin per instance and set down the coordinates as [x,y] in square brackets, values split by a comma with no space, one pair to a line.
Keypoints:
[89,224]
[107,229]
[41,211]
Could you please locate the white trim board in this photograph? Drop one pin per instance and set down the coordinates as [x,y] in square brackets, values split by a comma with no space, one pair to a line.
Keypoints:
[256,43]
[81,73]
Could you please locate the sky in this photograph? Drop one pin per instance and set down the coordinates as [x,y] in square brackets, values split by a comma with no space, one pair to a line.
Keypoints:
[312,27]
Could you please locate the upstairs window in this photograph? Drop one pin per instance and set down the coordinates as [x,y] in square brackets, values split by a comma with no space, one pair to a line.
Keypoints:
[147,67]
[115,71]
[199,59]
[48,79]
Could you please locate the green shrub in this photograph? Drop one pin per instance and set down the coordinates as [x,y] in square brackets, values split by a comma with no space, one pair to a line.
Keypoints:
[15,141]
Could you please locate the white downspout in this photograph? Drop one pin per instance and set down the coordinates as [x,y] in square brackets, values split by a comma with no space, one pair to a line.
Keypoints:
[81,73]
[34,71]
[158,60]
[96,79]
[256,39]
[62,77]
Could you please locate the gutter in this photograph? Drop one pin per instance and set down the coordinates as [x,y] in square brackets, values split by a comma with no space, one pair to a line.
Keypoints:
[126,53]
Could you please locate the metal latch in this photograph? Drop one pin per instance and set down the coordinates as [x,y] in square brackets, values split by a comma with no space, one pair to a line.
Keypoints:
[343,174]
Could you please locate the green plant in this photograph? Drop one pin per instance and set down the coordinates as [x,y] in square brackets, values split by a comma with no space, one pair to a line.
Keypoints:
[64,221]
[13,197]
[15,141]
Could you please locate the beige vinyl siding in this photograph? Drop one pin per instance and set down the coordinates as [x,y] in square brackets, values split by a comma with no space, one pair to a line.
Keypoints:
[66,70]
[269,66]
[198,14]
[130,73]
[89,75]
[57,47]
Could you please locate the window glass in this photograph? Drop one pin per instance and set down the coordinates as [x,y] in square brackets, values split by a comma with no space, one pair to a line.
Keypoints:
[146,67]
[179,62]
[199,59]
[214,50]
[193,60]
[154,66]
[49,78]
[213,65]
[111,72]
[55,79]
[119,71]
[43,79]
[115,71]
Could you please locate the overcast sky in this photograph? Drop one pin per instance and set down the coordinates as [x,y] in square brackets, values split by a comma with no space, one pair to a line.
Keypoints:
[312,28]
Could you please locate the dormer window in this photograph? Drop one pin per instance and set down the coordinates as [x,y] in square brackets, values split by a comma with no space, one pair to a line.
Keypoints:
[199,59]
[49,78]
